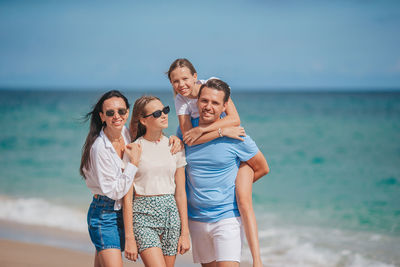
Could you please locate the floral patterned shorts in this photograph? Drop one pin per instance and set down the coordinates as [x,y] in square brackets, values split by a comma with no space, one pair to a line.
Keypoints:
[156,223]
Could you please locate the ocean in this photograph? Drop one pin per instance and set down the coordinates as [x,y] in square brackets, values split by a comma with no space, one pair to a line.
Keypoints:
[332,197]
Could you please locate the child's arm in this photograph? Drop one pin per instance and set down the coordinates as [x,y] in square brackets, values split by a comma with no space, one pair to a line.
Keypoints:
[185,123]
[231,132]
[131,251]
[198,135]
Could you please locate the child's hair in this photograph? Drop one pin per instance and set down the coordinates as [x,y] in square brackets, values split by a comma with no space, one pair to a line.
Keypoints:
[180,63]
[137,129]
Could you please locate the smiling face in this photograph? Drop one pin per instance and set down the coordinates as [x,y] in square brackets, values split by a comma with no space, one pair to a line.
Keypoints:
[211,105]
[183,81]
[117,121]
[152,123]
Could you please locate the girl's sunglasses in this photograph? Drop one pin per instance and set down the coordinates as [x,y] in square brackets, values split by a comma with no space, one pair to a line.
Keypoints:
[156,114]
[121,112]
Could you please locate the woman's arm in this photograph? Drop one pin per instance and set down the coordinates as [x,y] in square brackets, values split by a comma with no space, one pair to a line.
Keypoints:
[131,251]
[176,144]
[197,134]
[181,202]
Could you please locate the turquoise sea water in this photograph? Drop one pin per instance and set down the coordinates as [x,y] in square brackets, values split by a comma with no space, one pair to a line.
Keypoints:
[332,197]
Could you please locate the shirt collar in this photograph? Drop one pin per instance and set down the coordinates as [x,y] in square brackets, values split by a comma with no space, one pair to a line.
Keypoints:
[107,142]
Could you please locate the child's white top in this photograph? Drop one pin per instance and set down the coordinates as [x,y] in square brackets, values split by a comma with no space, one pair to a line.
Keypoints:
[188,106]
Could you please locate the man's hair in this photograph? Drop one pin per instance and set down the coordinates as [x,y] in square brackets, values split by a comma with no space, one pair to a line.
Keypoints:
[219,85]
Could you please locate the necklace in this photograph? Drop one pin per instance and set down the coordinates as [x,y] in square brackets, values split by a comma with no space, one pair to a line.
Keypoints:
[114,140]
[118,144]
[153,141]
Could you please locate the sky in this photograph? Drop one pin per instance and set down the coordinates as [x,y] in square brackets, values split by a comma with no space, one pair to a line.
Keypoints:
[252,44]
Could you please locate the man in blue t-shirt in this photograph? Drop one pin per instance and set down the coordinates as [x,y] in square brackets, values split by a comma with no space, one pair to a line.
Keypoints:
[214,219]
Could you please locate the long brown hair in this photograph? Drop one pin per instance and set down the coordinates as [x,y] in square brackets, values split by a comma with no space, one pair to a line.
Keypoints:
[95,126]
[136,128]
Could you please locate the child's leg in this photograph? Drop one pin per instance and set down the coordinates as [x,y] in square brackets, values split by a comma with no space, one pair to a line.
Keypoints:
[244,183]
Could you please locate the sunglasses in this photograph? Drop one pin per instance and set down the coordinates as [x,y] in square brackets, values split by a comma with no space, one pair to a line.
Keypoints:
[121,112]
[156,114]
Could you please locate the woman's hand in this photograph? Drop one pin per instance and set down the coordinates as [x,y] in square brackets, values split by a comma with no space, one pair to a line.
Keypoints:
[189,137]
[183,244]
[134,151]
[234,132]
[131,251]
[177,144]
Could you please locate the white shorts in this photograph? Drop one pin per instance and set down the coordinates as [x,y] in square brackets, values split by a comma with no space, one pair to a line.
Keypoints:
[217,241]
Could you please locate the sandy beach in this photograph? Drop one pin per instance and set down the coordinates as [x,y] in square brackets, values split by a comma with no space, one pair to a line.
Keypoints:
[19,254]
[26,245]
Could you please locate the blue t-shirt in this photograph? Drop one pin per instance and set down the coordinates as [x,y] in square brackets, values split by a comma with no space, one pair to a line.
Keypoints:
[211,175]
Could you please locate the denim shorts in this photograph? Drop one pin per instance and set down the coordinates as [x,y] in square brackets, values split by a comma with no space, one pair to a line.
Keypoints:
[106,225]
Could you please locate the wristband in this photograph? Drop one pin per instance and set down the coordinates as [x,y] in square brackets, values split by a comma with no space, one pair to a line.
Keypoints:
[220,132]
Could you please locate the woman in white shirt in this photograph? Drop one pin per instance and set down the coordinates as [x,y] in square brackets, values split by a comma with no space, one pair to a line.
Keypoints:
[108,165]
[158,228]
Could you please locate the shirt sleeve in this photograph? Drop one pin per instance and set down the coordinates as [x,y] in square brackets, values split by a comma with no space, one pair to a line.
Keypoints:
[180,159]
[113,182]
[181,106]
[246,149]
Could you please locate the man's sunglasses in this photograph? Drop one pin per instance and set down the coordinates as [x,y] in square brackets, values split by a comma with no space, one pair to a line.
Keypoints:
[121,112]
[156,114]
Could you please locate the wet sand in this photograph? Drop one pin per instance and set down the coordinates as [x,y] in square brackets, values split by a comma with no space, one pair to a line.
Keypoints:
[25,245]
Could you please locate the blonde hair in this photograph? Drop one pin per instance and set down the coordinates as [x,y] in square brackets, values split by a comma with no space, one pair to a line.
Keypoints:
[136,128]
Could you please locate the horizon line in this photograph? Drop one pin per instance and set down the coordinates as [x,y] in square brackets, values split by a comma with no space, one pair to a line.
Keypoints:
[276,89]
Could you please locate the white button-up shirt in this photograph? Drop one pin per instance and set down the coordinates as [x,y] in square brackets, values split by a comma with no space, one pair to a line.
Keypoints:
[108,175]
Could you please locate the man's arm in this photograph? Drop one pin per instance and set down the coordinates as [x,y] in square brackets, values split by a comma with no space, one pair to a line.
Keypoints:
[259,165]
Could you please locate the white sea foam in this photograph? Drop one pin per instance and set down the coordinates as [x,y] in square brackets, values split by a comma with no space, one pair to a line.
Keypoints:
[299,246]
[35,211]
[281,245]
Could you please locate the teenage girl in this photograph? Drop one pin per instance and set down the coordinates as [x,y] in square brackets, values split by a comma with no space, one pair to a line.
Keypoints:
[159,221]
[183,78]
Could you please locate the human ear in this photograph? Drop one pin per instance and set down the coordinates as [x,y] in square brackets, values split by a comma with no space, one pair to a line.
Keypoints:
[224,106]
[102,117]
[143,121]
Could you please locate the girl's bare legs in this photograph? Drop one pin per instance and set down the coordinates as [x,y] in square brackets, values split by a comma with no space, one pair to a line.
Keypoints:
[153,257]
[170,261]
[108,258]
[96,260]
[244,184]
